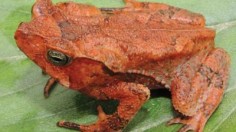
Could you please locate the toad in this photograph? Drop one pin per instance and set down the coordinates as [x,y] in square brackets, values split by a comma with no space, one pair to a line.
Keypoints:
[122,53]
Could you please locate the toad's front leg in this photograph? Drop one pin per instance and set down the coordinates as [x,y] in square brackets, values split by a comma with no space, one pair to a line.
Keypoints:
[48,87]
[131,97]
[198,90]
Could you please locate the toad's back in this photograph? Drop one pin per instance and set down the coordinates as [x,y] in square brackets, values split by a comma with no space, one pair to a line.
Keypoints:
[149,37]
[139,38]
[131,38]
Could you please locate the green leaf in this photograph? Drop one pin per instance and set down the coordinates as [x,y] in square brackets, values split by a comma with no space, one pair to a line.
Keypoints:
[23,107]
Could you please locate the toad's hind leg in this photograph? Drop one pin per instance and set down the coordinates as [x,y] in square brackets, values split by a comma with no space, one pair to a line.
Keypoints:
[131,96]
[208,83]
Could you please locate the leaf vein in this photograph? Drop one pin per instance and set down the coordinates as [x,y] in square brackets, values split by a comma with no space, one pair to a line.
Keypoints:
[20,11]
[17,57]
[222,26]
[17,91]
[224,119]
[153,124]
[51,115]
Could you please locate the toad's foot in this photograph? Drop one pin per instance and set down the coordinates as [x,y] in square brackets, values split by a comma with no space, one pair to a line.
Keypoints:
[195,123]
[131,96]
[102,117]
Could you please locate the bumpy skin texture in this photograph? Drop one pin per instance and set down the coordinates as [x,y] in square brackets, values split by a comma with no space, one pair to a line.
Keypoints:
[121,53]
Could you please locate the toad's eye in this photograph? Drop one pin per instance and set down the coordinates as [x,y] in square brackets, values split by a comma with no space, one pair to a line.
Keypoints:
[57,58]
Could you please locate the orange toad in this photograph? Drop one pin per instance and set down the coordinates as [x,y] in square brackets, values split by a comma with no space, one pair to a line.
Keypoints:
[120,54]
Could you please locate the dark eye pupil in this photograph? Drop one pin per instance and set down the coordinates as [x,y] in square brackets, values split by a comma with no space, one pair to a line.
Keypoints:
[57,58]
